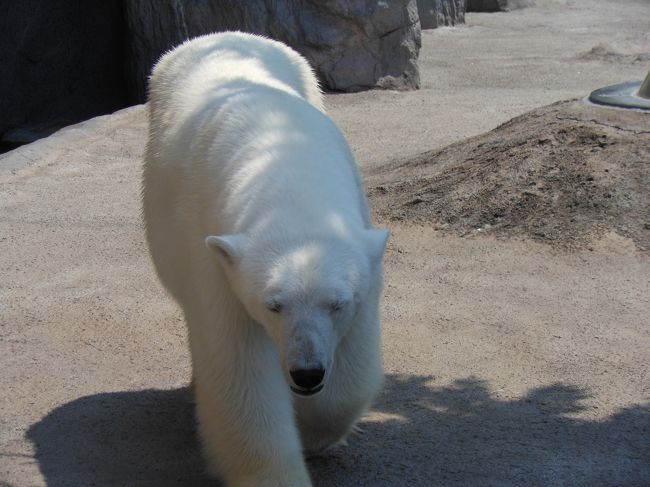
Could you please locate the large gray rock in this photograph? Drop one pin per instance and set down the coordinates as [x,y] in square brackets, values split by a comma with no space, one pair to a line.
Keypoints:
[496,5]
[436,13]
[352,44]
[60,63]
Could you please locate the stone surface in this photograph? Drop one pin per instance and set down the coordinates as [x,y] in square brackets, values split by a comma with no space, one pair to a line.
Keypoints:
[436,13]
[353,45]
[60,62]
[63,62]
[496,5]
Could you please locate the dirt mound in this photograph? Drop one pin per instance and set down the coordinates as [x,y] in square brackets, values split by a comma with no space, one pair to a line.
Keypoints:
[606,53]
[564,174]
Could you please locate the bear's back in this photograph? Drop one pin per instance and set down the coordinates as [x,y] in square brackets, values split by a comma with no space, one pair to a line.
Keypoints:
[198,67]
[237,129]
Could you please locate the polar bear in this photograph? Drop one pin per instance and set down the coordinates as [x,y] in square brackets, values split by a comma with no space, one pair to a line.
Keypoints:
[258,226]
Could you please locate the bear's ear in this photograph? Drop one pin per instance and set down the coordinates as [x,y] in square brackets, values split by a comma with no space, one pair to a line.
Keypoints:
[376,244]
[227,247]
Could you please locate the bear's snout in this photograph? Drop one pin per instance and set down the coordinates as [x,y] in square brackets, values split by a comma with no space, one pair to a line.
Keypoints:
[306,352]
[308,380]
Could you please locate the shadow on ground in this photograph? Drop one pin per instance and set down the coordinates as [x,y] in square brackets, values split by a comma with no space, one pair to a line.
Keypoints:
[456,435]
[143,438]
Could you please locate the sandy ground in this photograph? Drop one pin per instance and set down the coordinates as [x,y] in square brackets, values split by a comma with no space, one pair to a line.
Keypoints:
[498,66]
[508,362]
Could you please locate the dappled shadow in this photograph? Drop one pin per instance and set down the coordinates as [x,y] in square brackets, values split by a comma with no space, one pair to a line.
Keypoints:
[464,435]
[424,435]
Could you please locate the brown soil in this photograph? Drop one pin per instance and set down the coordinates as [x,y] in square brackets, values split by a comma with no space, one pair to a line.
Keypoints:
[564,174]
[603,52]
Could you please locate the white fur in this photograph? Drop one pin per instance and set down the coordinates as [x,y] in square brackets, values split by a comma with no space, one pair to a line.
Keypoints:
[242,158]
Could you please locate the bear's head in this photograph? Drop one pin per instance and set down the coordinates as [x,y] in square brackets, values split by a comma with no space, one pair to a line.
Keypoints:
[307,292]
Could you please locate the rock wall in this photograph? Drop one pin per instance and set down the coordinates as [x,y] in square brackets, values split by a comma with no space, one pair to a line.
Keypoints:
[496,5]
[352,44]
[60,63]
[63,62]
[436,13]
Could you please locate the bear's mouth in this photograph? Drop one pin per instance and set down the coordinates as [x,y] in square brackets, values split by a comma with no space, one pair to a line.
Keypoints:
[307,392]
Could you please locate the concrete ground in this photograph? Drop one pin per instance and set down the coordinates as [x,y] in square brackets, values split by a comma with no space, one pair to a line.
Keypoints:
[508,362]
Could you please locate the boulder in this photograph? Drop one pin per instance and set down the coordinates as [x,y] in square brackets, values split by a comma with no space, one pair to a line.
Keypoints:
[60,63]
[496,5]
[436,13]
[64,62]
[352,44]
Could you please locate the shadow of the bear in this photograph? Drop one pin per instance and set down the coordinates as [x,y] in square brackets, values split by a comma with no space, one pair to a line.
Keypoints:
[427,436]
[144,438]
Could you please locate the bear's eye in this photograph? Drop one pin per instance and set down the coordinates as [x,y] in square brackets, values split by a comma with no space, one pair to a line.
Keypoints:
[273,306]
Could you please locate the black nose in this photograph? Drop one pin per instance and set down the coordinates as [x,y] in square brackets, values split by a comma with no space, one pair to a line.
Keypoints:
[307,378]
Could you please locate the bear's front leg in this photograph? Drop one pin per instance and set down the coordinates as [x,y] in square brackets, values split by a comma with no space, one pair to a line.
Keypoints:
[246,419]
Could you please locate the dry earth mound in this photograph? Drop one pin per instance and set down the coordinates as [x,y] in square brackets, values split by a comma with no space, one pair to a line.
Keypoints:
[564,174]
